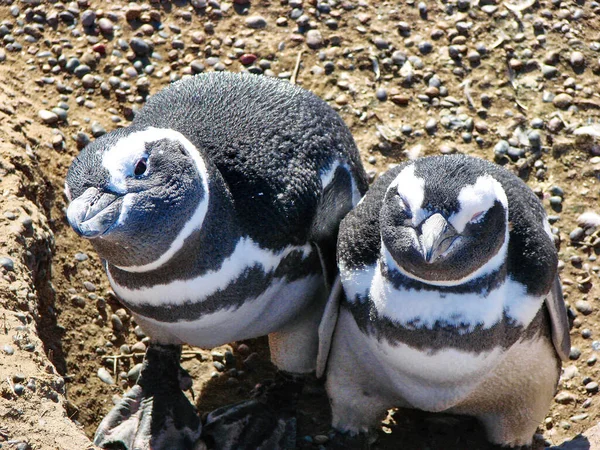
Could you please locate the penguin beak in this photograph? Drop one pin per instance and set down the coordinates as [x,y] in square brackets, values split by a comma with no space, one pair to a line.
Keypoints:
[436,237]
[94,212]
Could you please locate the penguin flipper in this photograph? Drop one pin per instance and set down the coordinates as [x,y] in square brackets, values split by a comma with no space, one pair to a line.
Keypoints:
[559,321]
[327,325]
[154,414]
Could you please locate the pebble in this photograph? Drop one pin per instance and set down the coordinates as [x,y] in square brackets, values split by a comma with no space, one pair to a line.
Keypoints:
[591,387]
[8,349]
[583,307]
[555,201]
[116,322]
[97,131]
[88,18]
[577,234]
[562,101]
[577,59]
[105,376]
[575,353]
[139,46]
[549,71]
[81,70]
[48,117]
[314,39]
[19,389]
[565,397]
[7,263]
[256,22]
[381,94]
[106,26]
[89,286]
[431,126]
[134,373]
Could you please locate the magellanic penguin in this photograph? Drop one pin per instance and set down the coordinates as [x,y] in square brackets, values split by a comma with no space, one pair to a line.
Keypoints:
[452,301]
[216,213]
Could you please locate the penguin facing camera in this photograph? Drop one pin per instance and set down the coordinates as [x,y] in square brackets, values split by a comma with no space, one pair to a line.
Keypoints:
[216,213]
[451,301]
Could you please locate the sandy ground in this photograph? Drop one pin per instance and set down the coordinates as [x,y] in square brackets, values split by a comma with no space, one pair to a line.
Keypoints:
[481,77]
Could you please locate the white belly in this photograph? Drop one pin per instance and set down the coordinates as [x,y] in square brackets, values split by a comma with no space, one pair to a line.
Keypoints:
[267,313]
[433,381]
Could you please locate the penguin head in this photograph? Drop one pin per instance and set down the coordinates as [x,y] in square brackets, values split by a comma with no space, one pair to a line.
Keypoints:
[137,195]
[444,222]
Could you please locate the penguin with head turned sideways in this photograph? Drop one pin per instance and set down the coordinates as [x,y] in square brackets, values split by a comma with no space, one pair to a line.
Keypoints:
[216,213]
[451,301]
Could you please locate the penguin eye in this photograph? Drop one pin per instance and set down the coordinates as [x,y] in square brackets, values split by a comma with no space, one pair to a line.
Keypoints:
[140,167]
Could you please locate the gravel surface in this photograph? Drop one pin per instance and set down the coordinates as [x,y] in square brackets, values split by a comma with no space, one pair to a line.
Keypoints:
[515,82]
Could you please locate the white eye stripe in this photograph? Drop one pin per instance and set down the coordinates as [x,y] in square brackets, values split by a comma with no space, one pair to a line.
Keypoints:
[121,158]
[477,198]
[411,189]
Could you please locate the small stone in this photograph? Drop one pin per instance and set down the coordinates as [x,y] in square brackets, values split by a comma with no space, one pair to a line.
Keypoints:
[7,263]
[134,373]
[555,201]
[579,417]
[106,26]
[555,125]
[139,46]
[88,81]
[577,59]
[431,126]
[105,376]
[569,372]
[243,349]
[562,101]
[425,47]
[116,322]
[574,354]
[133,12]
[248,58]
[256,22]
[48,117]
[219,366]
[565,398]
[591,387]
[583,307]
[549,71]
[314,39]
[8,349]
[535,138]
[138,347]
[381,94]
[400,99]
[88,18]
[98,130]
[320,439]
[81,70]
[19,389]
[89,286]
[501,148]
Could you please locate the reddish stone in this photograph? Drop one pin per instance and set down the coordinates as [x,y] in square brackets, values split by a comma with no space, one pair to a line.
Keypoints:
[247,58]
[99,48]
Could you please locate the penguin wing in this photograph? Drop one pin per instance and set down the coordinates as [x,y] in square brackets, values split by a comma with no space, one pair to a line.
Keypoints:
[340,194]
[327,325]
[559,321]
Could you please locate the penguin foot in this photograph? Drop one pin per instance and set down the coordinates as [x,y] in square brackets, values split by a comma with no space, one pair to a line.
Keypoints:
[348,441]
[265,422]
[154,414]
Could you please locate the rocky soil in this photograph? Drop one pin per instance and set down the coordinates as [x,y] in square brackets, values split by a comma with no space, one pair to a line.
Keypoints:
[516,82]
